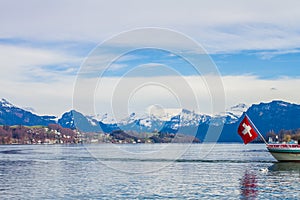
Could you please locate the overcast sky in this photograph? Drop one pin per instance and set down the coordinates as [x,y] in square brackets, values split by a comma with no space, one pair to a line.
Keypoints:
[255,46]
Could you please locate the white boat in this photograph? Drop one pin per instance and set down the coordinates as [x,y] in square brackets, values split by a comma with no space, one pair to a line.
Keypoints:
[281,152]
[285,152]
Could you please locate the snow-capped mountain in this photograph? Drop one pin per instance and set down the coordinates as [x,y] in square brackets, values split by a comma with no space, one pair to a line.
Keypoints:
[230,116]
[163,114]
[74,119]
[235,112]
[140,123]
[275,115]
[13,115]
[158,120]
[190,118]
[5,104]
[106,118]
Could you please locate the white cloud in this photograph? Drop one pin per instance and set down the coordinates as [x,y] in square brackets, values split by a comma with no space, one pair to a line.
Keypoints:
[137,93]
[125,95]
[258,36]
[46,98]
[250,89]
[267,55]
[29,78]
[218,25]
[23,63]
[116,66]
[15,56]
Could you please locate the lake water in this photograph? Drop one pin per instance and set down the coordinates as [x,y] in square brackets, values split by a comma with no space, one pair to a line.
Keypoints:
[145,171]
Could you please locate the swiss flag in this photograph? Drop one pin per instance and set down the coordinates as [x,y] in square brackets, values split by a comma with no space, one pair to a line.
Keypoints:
[246,130]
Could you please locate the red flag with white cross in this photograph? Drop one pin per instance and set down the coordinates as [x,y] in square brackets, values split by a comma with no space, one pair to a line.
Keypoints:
[246,130]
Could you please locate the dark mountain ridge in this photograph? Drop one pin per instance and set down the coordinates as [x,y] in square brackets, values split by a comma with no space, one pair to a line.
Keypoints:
[275,116]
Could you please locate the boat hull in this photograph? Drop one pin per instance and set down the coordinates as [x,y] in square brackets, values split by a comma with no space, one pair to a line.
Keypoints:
[286,157]
[285,153]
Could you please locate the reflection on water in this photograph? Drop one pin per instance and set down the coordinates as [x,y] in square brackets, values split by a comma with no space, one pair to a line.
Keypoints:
[291,167]
[277,181]
[229,171]
[249,185]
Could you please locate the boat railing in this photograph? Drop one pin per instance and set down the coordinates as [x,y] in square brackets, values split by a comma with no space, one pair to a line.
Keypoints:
[283,146]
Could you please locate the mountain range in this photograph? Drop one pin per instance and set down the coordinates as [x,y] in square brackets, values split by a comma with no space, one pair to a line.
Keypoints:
[275,115]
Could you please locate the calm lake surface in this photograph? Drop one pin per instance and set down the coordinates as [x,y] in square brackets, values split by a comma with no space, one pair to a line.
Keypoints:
[145,171]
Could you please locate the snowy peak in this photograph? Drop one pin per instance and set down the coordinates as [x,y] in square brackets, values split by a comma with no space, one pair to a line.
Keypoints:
[162,114]
[189,118]
[235,112]
[106,118]
[238,109]
[67,120]
[274,104]
[74,119]
[12,115]
[5,104]
[275,115]
[230,116]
